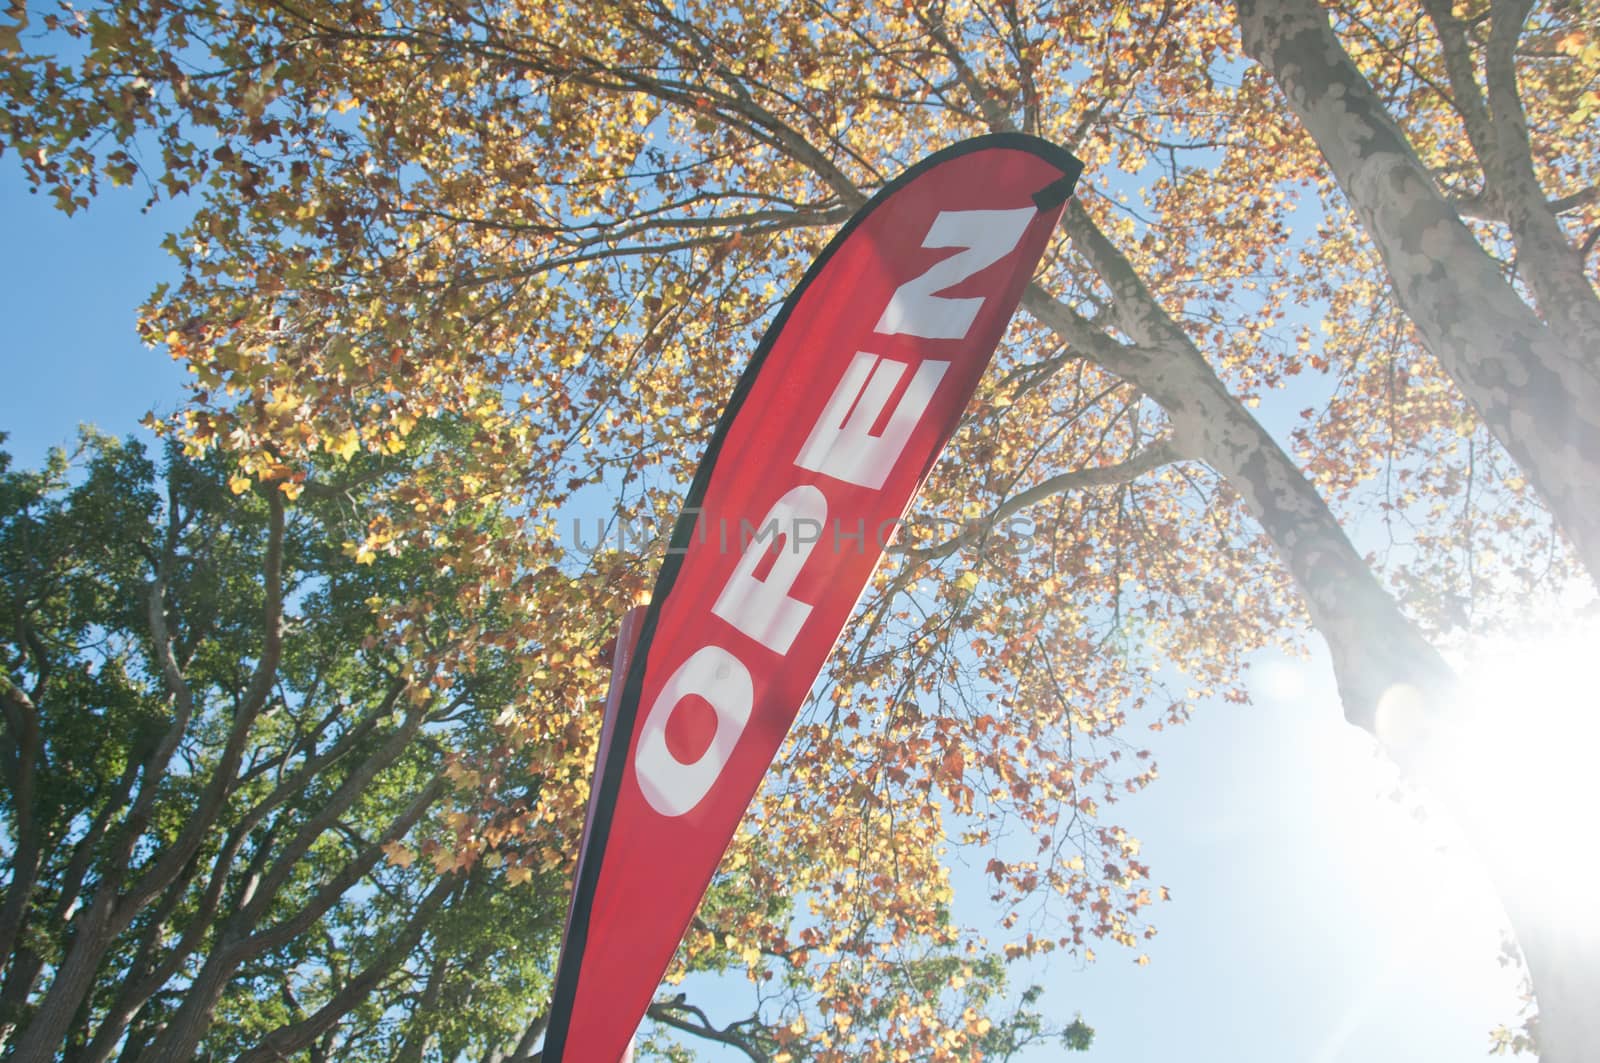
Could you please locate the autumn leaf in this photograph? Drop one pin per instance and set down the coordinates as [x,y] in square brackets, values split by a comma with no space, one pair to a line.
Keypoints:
[497,305]
[398,854]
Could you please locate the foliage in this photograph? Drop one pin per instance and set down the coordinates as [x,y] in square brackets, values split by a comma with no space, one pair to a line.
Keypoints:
[226,789]
[556,227]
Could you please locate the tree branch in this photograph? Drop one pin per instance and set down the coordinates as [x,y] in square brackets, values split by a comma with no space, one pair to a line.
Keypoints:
[222,780]
[285,1041]
[668,1013]
[1162,452]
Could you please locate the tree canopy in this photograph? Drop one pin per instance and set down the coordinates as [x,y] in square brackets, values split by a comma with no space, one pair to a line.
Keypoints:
[230,796]
[519,249]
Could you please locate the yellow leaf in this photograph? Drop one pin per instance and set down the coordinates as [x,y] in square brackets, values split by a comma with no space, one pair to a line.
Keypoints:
[398,854]
[346,444]
[283,406]
[238,484]
[518,876]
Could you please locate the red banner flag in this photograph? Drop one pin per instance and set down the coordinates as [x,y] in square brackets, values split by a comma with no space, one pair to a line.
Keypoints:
[842,412]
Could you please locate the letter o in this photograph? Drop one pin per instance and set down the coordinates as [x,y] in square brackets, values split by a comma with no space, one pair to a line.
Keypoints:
[670,786]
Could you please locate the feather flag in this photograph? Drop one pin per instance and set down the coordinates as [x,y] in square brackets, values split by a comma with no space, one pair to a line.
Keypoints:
[841,414]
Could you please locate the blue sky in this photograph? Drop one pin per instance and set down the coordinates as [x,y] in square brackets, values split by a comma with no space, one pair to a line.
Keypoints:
[69,288]
[1311,917]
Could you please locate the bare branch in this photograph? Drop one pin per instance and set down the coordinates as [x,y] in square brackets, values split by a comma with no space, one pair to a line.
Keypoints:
[1162,452]
[671,1013]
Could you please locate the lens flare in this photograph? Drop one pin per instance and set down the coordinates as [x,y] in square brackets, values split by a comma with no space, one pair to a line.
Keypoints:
[1513,762]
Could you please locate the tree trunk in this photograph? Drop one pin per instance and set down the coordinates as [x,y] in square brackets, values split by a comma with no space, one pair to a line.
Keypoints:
[41,1039]
[1545,256]
[1375,648]
[1539,395]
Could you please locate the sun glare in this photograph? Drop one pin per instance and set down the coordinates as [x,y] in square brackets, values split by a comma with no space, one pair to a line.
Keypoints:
[1514,764]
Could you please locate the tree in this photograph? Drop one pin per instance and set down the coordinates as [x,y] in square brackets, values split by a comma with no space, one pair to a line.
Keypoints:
[1500,104]
[242,815]
[1529,371]
[229,797]
[556,225]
